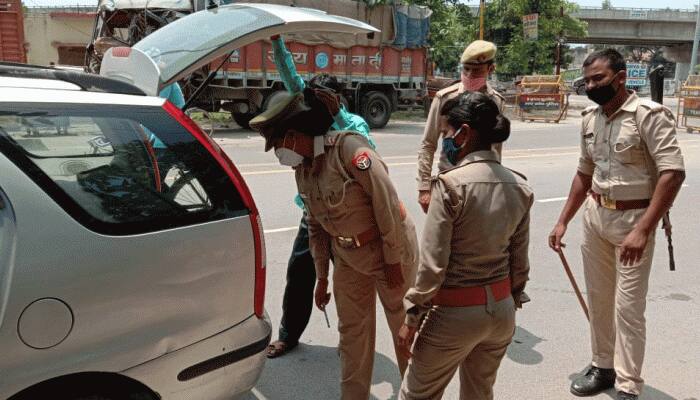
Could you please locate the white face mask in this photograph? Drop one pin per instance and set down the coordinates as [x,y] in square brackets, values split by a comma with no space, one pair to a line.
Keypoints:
[288,157]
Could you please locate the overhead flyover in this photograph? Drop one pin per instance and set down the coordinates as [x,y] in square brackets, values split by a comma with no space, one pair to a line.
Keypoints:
[637,26]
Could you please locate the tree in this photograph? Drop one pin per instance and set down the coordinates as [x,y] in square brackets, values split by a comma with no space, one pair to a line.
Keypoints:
[606,5]
[453,27]
[518,56]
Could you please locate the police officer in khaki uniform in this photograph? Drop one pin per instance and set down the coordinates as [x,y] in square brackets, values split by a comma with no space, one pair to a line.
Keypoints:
[469,280]
[629,173]
[477,63]
[355,215]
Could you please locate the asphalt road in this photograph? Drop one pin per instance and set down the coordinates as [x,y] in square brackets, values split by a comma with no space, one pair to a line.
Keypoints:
[551,343]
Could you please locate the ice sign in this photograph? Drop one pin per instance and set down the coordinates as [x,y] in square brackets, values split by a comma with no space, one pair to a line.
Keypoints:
[636,74]
[322,60]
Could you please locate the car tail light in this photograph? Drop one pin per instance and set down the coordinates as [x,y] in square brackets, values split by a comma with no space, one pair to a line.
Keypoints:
[237,179]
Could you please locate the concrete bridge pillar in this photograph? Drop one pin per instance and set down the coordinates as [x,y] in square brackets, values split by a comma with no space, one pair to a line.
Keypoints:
[682,72]
[680,54]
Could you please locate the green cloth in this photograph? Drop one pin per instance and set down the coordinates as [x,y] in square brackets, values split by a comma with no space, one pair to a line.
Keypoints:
[344,120]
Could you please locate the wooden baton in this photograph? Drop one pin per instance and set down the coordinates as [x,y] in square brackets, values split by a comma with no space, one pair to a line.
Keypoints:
[573,283]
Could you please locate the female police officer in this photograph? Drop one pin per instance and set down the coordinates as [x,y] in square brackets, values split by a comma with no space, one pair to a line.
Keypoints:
[354,214]
[474,260]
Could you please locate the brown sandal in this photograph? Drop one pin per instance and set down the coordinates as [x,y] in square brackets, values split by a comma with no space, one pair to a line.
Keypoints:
[276,349]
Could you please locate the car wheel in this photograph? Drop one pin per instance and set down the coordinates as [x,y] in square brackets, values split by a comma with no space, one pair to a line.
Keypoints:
[376,109]
[243,119]
[581,90]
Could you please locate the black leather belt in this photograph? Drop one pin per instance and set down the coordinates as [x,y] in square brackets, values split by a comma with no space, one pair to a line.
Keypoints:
[607,202]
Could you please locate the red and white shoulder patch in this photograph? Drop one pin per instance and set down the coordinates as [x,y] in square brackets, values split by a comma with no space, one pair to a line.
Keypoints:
[362,161]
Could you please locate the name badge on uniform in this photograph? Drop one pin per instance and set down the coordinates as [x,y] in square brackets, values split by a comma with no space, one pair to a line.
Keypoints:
[362,161]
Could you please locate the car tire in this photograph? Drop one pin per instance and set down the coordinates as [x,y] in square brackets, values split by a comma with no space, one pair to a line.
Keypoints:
[243,119]
[376,109]
[581,90]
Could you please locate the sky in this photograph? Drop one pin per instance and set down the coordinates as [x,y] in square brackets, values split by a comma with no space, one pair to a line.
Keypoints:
[689,4]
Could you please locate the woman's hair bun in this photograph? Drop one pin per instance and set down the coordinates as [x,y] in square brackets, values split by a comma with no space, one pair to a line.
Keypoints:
[479,111]
[501,130]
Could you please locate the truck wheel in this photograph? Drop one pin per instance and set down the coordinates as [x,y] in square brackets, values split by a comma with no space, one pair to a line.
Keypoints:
[376,109]
[344,102]
[243,119]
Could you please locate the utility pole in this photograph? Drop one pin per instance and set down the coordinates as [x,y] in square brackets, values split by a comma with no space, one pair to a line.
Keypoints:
[694,56]
[482,8]
[559,39]
[534,9]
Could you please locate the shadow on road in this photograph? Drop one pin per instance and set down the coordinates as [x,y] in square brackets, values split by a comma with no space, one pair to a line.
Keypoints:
[522,348]
[313,373]
[648,393]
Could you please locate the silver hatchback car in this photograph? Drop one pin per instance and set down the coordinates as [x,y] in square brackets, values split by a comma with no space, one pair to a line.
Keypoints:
[132,257]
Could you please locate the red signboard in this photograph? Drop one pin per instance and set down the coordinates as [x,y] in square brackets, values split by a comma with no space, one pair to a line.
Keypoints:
[12,31]
[540,102]
[357,63]
[691,106]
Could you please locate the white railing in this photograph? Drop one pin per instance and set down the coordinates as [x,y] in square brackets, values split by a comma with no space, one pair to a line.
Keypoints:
[652,14]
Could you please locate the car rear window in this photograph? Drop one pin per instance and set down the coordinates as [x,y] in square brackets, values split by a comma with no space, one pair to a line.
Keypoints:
[118,169]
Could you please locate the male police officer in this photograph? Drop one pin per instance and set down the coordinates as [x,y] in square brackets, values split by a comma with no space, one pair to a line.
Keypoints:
[477,63]
[629,173]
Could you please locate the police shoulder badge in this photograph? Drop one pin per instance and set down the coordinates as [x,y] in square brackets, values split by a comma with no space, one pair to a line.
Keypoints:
[362,161]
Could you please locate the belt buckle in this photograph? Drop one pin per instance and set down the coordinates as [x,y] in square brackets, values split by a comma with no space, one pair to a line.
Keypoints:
[347,242]
[607,202]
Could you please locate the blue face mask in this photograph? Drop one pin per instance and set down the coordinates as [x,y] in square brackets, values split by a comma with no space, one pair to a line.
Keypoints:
[450,148]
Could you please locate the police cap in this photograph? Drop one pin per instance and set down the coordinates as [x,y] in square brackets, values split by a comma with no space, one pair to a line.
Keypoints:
[479,52]
[268,122]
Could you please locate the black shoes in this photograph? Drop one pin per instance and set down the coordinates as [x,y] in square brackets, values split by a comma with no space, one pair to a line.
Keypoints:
[626,396]
[594,381]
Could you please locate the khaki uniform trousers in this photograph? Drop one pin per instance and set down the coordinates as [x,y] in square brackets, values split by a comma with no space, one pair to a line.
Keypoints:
[616,293]
[474,338]
[355,295]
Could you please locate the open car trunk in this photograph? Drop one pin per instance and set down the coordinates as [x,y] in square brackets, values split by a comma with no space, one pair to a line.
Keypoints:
[183,46]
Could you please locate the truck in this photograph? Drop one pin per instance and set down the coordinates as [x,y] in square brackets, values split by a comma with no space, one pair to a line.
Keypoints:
[379,74]
[12,32]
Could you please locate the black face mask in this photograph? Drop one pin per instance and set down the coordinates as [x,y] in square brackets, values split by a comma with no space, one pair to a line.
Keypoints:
[602,94]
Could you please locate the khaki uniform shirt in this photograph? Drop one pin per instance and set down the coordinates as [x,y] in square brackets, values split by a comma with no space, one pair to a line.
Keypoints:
[433,133]
[476,231]
[626,152]
[345,200]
